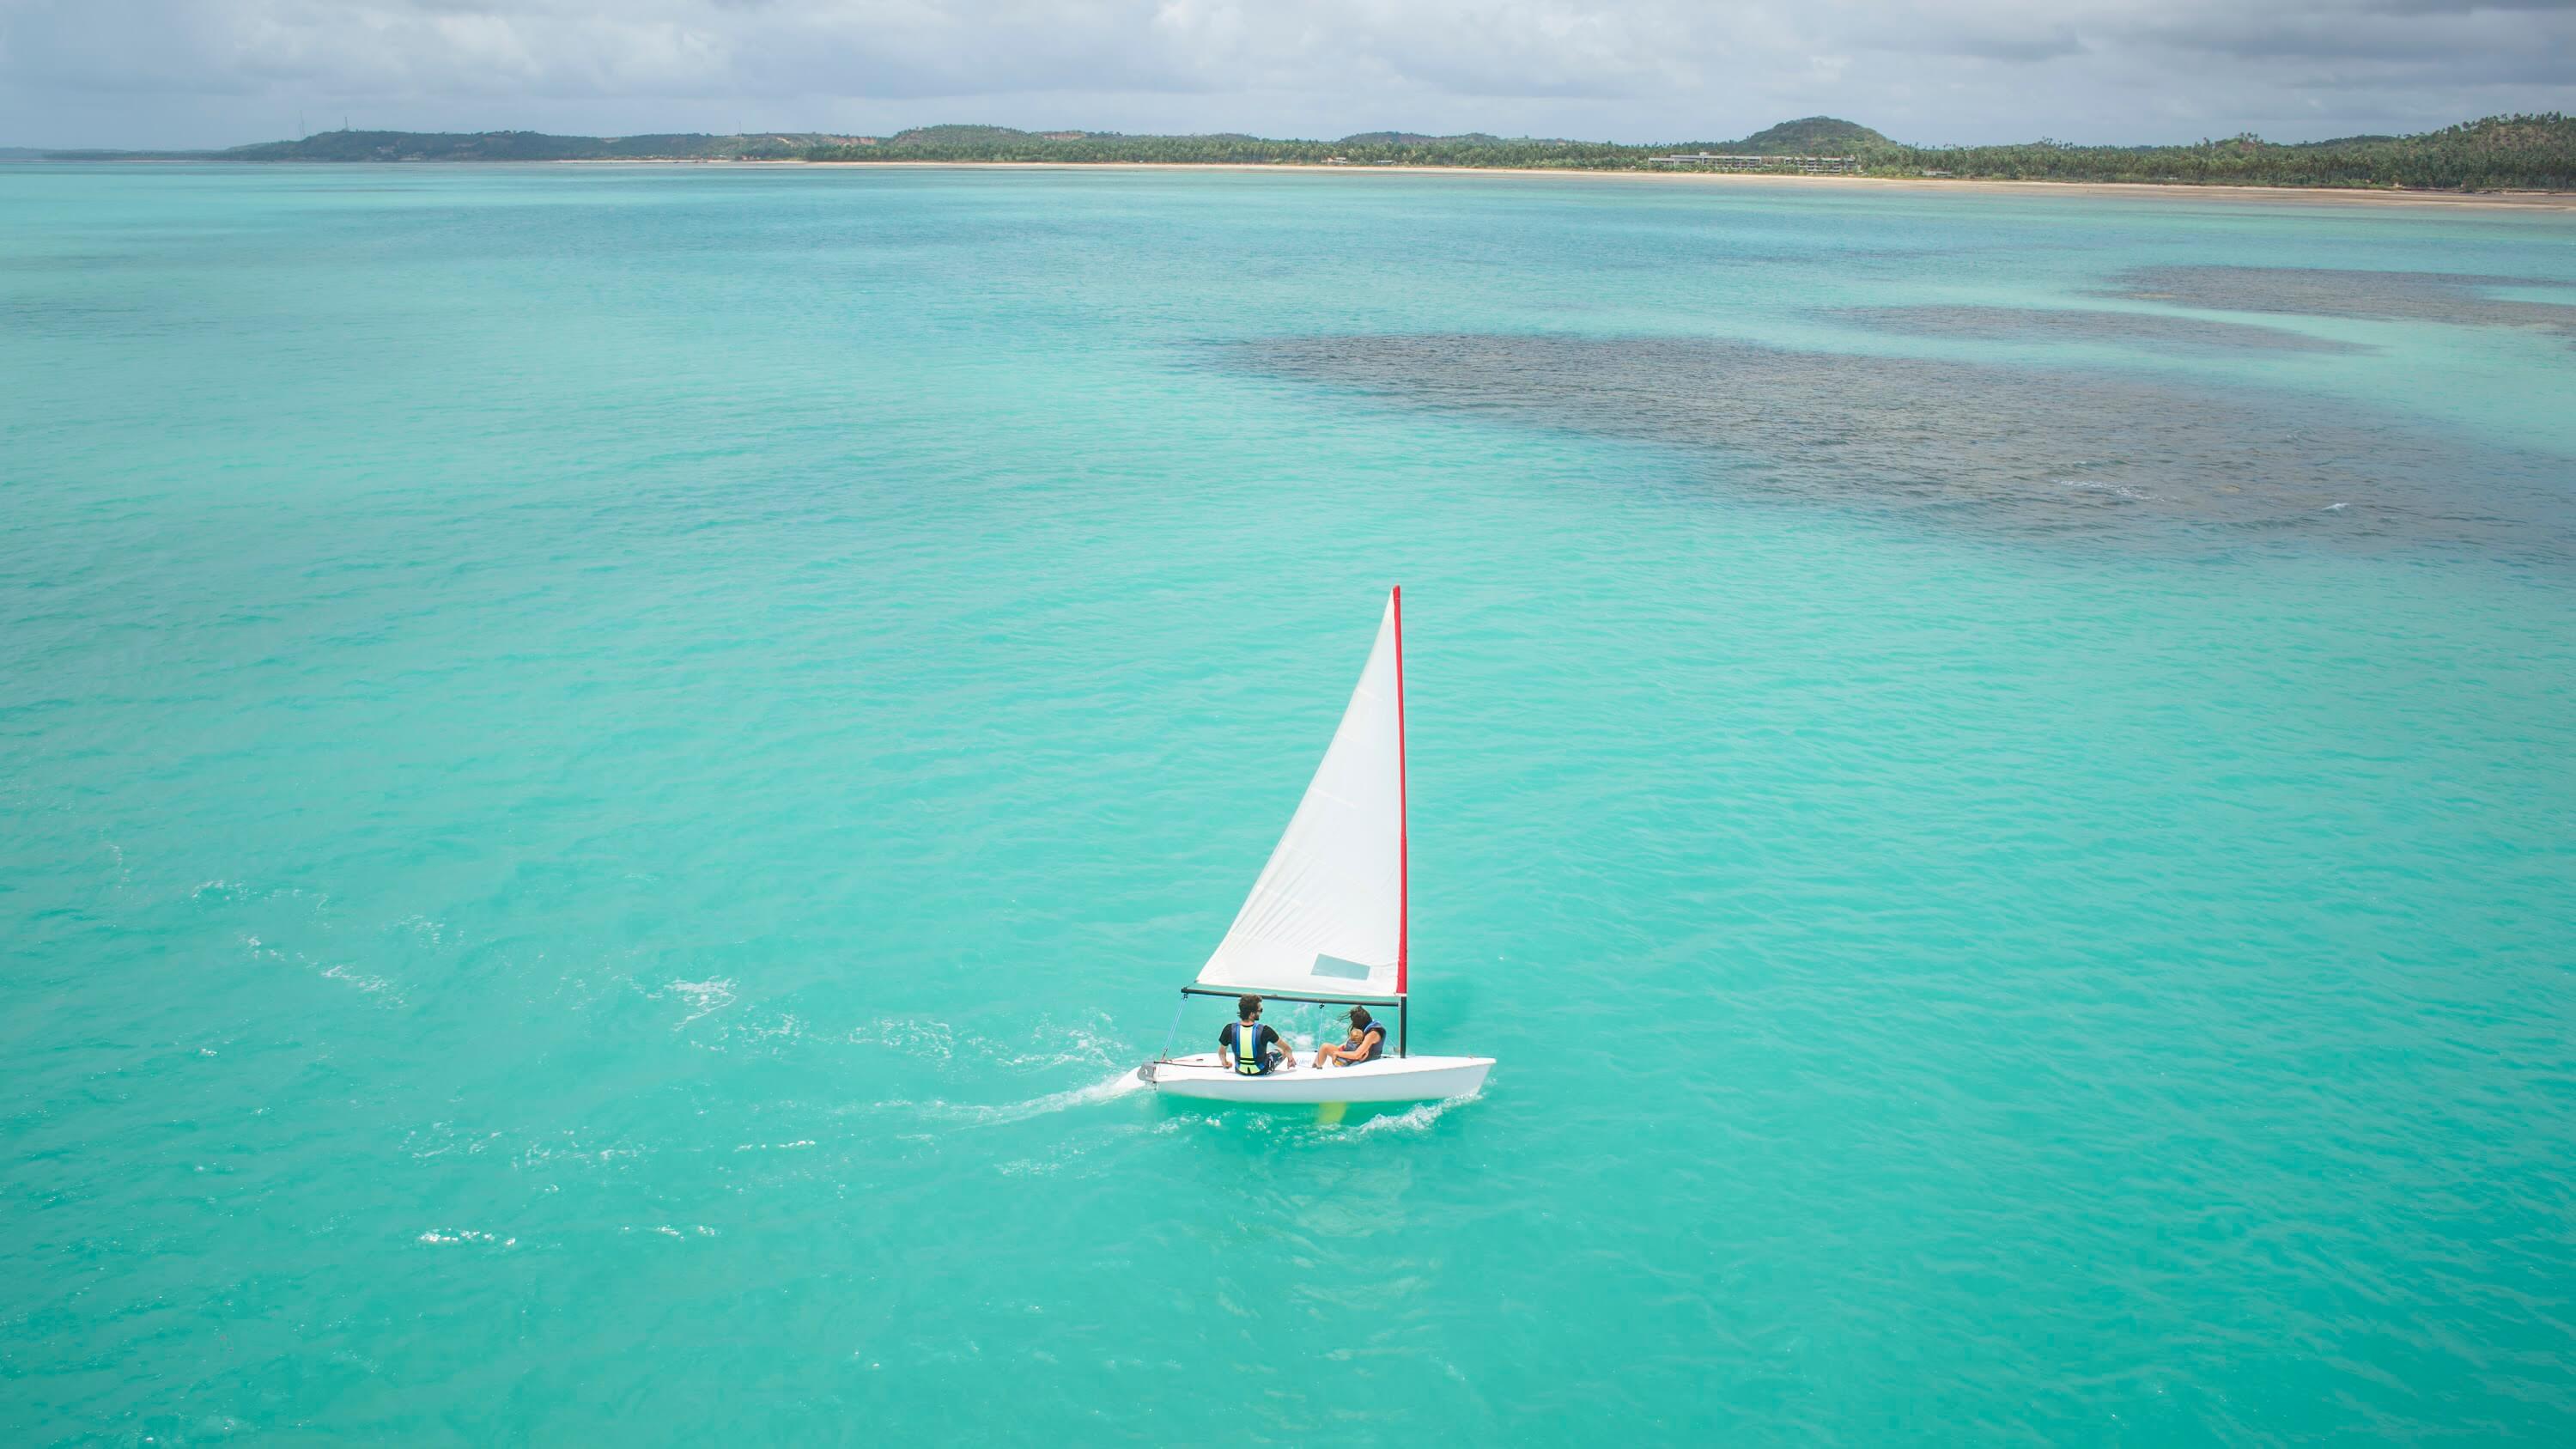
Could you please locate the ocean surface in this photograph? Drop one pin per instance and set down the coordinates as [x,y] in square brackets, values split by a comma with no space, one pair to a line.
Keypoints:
[604,771]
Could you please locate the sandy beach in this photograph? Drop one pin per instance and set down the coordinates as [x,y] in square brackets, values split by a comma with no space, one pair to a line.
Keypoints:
[2313,195]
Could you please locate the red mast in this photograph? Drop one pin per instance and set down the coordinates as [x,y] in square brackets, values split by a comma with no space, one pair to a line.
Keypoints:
[1403,843]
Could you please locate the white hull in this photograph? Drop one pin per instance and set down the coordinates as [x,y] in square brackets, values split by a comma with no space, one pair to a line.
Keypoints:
[1390,1079]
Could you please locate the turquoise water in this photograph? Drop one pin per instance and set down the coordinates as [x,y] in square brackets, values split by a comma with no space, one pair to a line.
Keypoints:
[604,769]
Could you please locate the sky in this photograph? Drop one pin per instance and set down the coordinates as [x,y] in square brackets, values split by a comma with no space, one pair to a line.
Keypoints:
[209,73]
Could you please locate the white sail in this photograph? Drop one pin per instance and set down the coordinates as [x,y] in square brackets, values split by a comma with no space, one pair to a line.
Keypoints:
[1327,916]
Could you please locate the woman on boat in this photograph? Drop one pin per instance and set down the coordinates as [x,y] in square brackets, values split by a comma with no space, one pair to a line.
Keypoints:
[1366,1044]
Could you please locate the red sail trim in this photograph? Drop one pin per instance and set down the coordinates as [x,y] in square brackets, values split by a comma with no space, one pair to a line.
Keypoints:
[1403,824]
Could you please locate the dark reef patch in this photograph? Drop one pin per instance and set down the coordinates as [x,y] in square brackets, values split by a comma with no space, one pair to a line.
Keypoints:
[2151,330]
[2021,449]
[2451,297]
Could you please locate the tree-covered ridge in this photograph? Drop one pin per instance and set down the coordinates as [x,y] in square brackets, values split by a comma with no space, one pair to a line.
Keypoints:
[1409,138]
[1003,144]
[2529,152]
[2535,152]
[529,146]
[1813,136]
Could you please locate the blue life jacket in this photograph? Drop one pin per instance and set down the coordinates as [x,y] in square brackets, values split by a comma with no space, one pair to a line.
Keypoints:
[1378,1049]
[1244,1039]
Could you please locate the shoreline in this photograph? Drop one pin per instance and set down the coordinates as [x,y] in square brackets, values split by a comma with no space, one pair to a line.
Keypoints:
[2511,200]
[2545,201]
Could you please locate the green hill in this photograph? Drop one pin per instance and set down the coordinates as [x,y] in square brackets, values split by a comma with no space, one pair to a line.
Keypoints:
[1812,136]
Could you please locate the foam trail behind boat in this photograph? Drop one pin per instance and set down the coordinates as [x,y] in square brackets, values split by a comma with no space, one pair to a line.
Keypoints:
[995,1114]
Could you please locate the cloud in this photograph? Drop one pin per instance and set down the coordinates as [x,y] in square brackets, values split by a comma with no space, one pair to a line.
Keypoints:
[1635,69]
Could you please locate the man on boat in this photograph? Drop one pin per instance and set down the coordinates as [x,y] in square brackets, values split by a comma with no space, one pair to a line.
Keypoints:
[1252,1048]
[1367,1042]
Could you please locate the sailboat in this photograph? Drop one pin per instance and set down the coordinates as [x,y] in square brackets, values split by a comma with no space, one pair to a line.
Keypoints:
[1328,921]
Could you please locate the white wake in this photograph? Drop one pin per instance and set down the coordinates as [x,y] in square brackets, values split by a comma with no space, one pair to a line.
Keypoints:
[995,1114]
